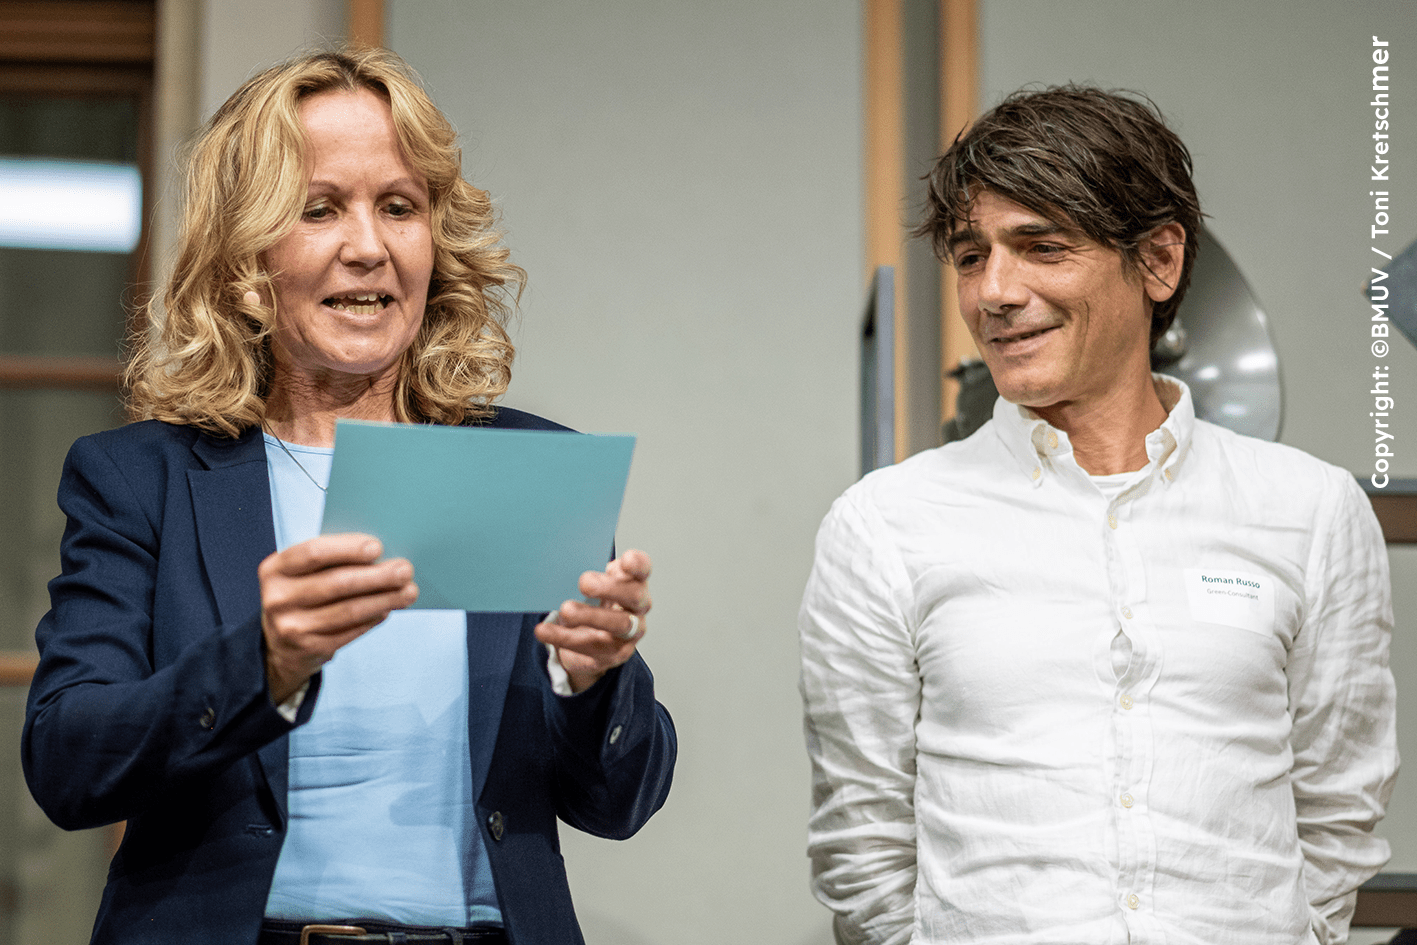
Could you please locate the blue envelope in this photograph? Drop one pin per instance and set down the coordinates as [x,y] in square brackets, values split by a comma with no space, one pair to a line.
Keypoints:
[492,520]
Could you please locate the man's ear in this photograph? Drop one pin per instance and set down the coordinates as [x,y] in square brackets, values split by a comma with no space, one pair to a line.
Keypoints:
[1163,254]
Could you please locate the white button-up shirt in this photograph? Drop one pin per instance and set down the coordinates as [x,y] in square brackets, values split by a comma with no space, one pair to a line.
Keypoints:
[1045,707]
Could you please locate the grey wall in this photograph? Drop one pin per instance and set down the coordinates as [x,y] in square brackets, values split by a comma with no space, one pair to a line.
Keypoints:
[682,183]
[240,37]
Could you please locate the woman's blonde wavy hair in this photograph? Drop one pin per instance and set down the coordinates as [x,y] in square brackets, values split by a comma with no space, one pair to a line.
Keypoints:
[205,358]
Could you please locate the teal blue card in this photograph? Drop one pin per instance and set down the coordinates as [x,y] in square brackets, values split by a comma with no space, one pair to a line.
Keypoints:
[493,520]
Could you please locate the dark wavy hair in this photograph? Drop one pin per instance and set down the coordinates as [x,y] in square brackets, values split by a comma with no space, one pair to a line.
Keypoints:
[1104,162]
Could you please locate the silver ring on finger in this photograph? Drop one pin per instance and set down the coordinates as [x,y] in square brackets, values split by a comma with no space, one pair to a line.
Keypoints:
[634,631]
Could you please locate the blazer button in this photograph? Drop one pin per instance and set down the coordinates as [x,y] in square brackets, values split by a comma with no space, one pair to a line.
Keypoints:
[208,719]
[494,824]
[614,734]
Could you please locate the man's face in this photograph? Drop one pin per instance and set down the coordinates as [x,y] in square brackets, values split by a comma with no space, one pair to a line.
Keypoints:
[1058,318]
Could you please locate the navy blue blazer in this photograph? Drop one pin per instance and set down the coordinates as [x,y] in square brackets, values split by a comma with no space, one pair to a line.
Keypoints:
[150,704]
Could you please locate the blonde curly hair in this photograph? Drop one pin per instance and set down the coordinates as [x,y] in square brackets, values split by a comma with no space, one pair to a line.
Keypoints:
[204,358]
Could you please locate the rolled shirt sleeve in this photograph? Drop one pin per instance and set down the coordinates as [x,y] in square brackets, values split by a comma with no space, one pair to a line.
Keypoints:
[861,690]
[1342,700]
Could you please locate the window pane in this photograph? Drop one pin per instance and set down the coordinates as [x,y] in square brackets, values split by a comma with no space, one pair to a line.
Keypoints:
[37,428]
[55,302]
[46,203]
[95,129]
[62,303]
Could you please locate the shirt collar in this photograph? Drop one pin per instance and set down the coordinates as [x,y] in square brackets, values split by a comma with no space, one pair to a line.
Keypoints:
[1037,446]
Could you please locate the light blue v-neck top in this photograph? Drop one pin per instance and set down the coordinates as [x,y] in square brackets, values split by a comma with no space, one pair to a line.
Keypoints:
[382,817]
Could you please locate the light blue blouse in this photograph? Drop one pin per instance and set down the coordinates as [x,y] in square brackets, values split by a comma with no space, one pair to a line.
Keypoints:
[382,817]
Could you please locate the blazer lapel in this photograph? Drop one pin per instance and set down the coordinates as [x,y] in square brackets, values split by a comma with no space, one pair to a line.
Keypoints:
[235,530]
[231,499]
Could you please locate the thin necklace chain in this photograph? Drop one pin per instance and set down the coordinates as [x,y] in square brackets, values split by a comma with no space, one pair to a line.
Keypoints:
[293,459]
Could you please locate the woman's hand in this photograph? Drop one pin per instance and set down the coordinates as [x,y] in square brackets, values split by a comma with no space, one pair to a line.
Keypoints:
[593,639]
[321,594]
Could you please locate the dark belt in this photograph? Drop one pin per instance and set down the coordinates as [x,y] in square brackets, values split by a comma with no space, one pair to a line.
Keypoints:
[372,932]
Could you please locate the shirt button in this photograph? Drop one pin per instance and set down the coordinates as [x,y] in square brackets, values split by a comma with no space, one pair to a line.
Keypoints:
[1112,520]
[1036,473]
[1126,702]
[208,719]
[1127,612]
[1127,801]
[614,734]
[1133,901]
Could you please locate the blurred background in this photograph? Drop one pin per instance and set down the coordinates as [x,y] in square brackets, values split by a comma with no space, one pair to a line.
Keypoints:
[699,193]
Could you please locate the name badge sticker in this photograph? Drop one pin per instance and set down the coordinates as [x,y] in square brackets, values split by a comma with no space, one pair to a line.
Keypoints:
[1232,598]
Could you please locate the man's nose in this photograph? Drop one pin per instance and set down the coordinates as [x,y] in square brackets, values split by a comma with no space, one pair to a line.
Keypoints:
[1001,287]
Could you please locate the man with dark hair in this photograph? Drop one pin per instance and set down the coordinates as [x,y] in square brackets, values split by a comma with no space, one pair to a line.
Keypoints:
[1101,672]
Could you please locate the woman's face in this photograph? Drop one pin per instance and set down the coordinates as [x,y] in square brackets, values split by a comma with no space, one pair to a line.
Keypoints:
[351,280]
